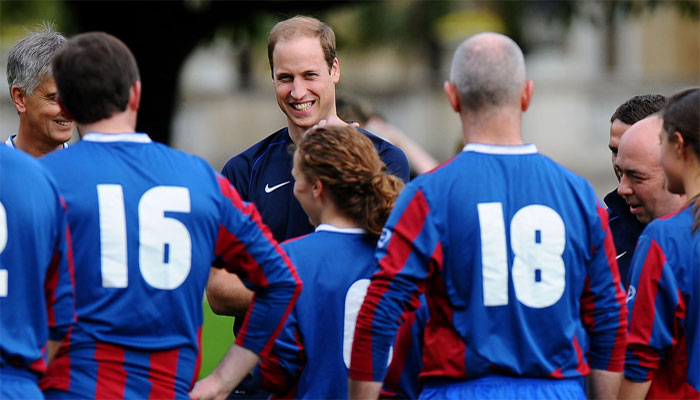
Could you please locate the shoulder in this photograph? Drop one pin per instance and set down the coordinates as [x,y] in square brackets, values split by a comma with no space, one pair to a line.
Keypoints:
[276,143]
[392,156]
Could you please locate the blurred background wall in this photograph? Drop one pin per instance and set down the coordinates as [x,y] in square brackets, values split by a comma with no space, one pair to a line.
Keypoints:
[208,91]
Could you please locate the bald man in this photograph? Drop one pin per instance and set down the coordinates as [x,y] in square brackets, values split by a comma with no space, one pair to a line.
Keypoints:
[642,182]
[512,250]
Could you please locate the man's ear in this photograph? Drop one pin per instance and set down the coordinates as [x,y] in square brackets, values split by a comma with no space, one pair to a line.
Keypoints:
[335,71]
[134,96]
[18,99]
[526,95]
[452,96]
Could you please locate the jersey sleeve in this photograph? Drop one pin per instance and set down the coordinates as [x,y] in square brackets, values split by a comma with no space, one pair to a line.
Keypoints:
[654,300]
[396,162]
[408,250]
[59,286]
[246,247]
[603,309]
[281,369]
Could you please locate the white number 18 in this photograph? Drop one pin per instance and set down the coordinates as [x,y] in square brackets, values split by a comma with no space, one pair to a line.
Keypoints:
[538,239]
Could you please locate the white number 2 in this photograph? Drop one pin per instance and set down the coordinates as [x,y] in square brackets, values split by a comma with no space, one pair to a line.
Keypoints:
[165,245]
[538,239]
[3,243]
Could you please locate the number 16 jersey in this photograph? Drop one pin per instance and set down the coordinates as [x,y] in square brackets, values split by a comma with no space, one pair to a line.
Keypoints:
[518,265]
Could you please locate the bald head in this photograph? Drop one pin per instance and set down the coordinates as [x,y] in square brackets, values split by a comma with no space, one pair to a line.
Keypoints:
[488,69]
[642,181]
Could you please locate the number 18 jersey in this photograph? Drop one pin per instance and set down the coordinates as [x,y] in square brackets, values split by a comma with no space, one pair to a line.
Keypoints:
[518,265]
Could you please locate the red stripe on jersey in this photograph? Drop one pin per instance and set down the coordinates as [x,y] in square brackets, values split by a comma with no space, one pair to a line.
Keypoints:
[39,365]
[642,321]
[402,346]
[162,374]
[406,230]
[71,265]
[58,372]
[556,374]
[671,379]
[111,376]
[198,363]
[237,259]
[444,353]
[617,357]
[582,367]
[587,306]
[50,285]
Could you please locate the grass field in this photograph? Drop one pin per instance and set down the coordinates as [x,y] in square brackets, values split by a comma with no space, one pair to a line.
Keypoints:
[217,336]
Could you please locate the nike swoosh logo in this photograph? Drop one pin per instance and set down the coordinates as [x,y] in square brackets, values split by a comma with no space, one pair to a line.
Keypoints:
[269,189]
[621,254]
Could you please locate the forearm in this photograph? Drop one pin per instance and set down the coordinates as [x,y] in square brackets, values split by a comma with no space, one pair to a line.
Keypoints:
[226,293]
[363,389]
[604,384]
[236,364]
[52,347]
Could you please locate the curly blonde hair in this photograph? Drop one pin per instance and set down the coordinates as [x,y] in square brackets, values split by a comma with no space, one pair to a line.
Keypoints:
[347,163]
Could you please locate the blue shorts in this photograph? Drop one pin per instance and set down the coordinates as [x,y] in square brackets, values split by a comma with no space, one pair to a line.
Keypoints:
[18,383]
[505,387]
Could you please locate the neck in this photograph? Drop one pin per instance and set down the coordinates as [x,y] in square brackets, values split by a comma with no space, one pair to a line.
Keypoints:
[691,180]
[332,216]
[498,127]
[297,132]
[36,148]
[123,122]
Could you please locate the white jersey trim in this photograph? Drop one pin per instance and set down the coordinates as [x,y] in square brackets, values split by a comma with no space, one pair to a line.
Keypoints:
[333,228]
[496,149]
[10,142]
[117,137]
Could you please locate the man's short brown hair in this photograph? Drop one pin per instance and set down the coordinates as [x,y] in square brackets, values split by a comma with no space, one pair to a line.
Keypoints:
[301,26]
[94,72]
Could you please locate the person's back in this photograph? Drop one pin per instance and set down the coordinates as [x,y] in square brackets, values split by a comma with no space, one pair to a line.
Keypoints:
[335,265]
[150,222]
[501,200]
[36,289]
[512,250]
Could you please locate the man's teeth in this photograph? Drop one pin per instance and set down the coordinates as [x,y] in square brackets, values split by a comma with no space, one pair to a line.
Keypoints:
[64,123]
[302,106]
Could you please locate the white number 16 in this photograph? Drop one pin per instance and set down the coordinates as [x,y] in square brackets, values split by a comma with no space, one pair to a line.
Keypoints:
[538,239]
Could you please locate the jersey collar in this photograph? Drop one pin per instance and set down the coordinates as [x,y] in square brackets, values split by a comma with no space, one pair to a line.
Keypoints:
[117,137]
[333,228]
[529,148]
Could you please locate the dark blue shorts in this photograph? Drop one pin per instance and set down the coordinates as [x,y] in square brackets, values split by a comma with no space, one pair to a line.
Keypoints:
[505,387]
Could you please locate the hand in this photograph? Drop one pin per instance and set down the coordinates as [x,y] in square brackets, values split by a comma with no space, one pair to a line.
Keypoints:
[209,388]
[334,120]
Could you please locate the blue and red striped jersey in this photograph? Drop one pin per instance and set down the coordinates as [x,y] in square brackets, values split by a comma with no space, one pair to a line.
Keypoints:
[518,265]
[663,309]
[150,221]
[36,282]
[311,356]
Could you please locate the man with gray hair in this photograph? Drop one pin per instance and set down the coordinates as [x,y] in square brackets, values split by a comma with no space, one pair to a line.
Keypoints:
[512,250]
[43,126]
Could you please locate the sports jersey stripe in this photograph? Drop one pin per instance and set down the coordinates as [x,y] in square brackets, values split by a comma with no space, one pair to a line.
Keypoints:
[198,361]
[445,353]
[617,357]
[60,376]
[39,365]
[162,373]
[50,286]
[642,323]
[406,231]
[111,376]
[582,366]
[402,347]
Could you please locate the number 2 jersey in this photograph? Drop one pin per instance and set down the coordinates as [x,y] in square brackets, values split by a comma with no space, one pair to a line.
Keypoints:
[518,265]
[664,302]
[148,222]
[36,282]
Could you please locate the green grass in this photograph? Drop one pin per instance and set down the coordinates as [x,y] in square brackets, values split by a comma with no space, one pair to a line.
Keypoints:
[217,337]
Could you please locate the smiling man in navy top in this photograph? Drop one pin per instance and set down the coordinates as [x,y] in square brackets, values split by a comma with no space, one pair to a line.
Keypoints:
[305,70]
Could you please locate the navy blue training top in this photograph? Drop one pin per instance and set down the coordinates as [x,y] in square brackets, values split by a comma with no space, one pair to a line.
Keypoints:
[262,174]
